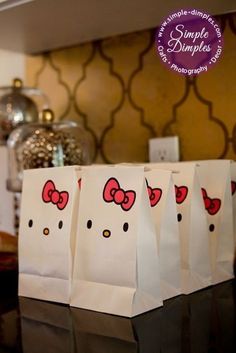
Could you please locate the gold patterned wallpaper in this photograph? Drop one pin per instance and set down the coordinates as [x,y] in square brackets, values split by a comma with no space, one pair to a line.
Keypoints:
[123,95]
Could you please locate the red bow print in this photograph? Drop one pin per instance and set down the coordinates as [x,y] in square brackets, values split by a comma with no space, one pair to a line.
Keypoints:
[181,193]
[113,193]
[211,205]
[50,194]
[154,195]
[233,187]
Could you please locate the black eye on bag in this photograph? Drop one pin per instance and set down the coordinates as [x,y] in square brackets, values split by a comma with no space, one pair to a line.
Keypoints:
[60,224]
[179,217]
[30,223]
[125,226]
[211,228]
[89,224]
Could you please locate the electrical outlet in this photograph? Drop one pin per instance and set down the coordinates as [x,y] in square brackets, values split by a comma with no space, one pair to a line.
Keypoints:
[164,149]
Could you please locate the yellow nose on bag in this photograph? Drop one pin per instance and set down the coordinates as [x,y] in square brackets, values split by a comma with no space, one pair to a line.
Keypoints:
[106,233]
[46,231]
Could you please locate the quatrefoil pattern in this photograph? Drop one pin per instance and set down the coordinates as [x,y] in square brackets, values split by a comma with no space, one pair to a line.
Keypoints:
[120,92]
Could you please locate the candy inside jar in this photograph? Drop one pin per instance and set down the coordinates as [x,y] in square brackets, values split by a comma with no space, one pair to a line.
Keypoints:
[43,145]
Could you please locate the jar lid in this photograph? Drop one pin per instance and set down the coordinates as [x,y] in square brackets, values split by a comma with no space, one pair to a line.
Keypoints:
[46,116]
[17,83]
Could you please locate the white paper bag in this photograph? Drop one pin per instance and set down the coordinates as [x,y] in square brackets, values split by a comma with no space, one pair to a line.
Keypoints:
[7,197]
[47,233]
[215,180]
[116,263]
[163,206]
[194,242]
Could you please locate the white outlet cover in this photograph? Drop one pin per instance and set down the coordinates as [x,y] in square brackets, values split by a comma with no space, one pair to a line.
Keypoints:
[164,149]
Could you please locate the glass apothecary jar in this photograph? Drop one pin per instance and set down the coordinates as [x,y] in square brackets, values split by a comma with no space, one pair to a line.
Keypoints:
[19,105]
[43,145]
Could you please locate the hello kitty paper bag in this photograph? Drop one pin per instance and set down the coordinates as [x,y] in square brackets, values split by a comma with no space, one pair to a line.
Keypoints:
[215,180]
[7,197]
[116,266]
[191,216]
[163,206]
[47,233]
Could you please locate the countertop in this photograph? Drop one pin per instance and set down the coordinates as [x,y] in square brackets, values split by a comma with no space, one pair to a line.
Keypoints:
[198,323]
